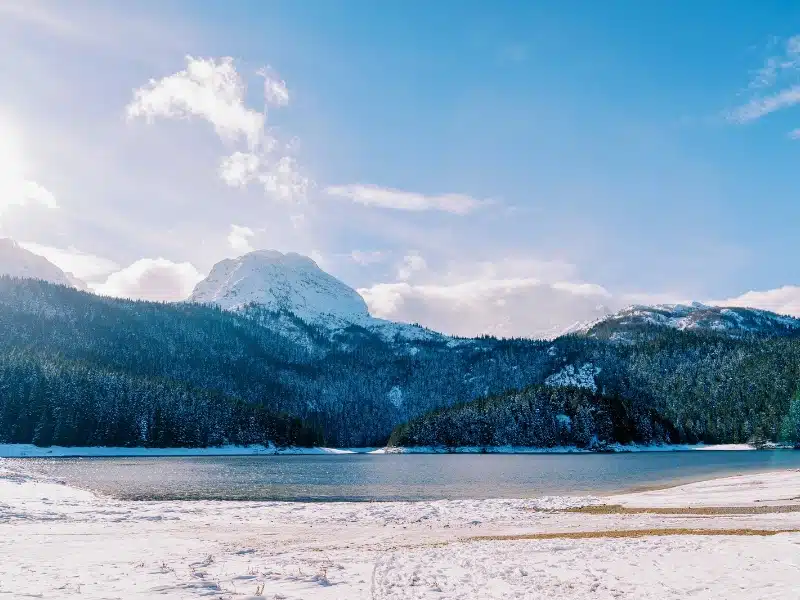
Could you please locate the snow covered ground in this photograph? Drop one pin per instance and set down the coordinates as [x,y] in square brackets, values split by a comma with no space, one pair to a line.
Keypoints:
[31,451]
[60,542]
[779,488]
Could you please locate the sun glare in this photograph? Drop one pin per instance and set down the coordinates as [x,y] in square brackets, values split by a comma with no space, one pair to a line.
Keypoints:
[15,187]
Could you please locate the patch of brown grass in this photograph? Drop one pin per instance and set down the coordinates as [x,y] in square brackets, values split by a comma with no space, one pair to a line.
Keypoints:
[627,533]
[616,509]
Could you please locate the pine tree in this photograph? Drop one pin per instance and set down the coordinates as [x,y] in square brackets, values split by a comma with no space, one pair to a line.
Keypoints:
[790,427]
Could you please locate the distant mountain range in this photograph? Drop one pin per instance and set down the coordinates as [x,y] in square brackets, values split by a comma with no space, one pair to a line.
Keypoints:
[294,284]
[273,349]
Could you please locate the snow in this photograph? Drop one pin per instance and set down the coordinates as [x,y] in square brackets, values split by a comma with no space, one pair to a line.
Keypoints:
[16,261]
[279,282]
[294,283]
[58,542]
[582,377]
[29,450]
[616,447]
[777,488]
[483,449]
[695,316]
[395,396]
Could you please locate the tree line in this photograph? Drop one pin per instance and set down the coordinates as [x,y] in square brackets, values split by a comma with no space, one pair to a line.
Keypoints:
[96,370]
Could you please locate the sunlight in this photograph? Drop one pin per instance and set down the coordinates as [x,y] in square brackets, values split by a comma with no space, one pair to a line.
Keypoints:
[15,188]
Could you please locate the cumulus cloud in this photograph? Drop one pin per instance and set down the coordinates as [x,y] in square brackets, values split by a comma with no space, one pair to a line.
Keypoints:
[239,239]
[214,91]
[82,265]
[780,72]
[504,307]
[381,197]
[156,279]
[511,297]
[208,89]
[784,300]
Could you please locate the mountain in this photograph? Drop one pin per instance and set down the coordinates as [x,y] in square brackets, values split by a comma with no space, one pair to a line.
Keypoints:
[292,284]
[281,282]
[16,261]
[76,368]
[640,320]
[107,370]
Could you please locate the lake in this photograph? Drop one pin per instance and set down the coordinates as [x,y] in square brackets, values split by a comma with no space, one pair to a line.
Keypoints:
[397,477]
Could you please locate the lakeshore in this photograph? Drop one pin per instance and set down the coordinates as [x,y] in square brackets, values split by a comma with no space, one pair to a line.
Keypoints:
[666,543]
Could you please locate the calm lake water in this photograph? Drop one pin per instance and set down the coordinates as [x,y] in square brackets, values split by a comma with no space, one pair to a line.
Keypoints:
[397,477]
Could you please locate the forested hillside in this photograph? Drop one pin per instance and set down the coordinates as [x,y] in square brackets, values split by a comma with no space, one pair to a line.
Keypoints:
[348,391]
[80,369]
[538,417]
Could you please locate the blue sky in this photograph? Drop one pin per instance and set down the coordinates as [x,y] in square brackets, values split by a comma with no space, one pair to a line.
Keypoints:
[506,167]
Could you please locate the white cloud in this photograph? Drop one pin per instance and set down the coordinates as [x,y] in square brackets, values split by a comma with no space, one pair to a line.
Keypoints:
[275,91]
[373,195]
[152,279]
[210,89]
[760,107]
[239,239]
[16,186]
[509,297]
[213,90]
[366,258]
[784,300]
[777,65]
[410,264]
[503,307]
[779,71]
[240,168]
[582,289]
[85,266]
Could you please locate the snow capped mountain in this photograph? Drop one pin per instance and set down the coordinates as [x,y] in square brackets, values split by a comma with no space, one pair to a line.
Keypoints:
[281,282]
[695,316]
[19,262]
[295,284]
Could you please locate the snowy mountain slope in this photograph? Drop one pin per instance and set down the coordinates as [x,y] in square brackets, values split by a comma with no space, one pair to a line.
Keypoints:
[280,282]
[292,283]
[16,261]
[694,317]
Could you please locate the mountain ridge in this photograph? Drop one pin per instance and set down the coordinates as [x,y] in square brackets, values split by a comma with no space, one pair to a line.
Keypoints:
[294,284]
[17,261]
[729,320]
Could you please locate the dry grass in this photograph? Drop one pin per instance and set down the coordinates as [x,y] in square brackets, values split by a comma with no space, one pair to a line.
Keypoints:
[616,509]
[628,533]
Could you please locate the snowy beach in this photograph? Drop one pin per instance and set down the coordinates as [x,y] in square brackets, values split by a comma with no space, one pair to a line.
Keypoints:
[59,542]
[32,451]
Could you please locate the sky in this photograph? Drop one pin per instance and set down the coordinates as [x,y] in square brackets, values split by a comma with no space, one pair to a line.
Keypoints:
[478,167]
